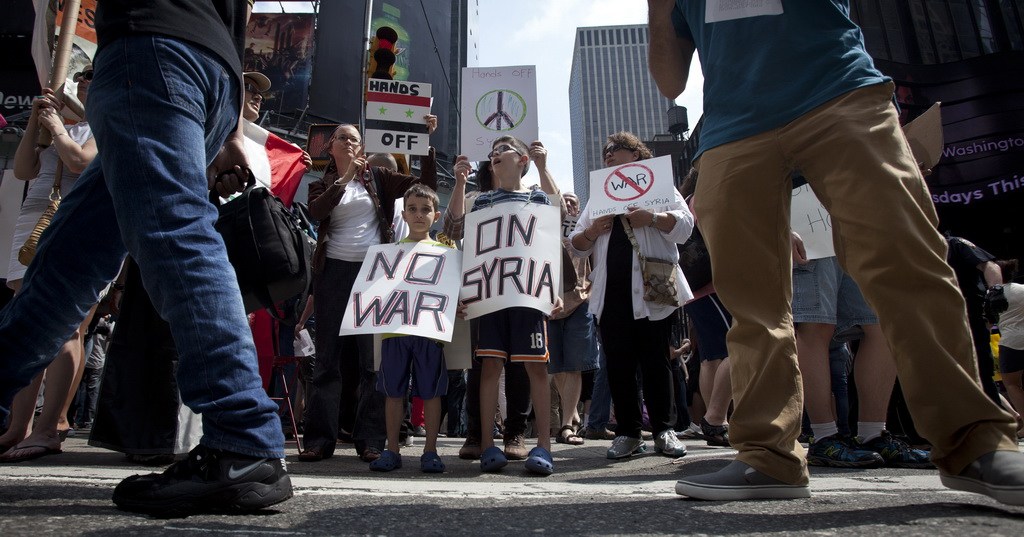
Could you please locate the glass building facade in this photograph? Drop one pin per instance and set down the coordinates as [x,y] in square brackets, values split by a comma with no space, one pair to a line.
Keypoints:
[610,90]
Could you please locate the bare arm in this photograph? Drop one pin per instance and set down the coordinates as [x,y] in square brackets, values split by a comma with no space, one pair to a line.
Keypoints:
[992,274]
[539,156]
[457,202]
[668,54]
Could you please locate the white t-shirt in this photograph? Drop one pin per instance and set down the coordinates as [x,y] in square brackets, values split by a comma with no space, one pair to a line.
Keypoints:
[354,226]
[1011,321]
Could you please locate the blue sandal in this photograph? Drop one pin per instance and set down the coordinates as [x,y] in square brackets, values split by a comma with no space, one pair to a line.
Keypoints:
[430,463]
[388,460]
[539,461]
[492,459]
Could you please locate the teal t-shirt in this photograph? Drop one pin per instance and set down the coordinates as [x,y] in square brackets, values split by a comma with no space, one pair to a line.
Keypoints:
[763,71]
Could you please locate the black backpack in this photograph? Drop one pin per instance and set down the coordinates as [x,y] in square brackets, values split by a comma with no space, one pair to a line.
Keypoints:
[267,248]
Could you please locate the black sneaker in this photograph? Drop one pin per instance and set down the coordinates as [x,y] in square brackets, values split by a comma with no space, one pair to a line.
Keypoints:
[841,452]
[209,480]
[898,453]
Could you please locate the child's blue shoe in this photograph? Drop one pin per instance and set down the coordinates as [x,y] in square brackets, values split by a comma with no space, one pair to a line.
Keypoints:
[388,460]
[539,461]
[430,463]
[492,459]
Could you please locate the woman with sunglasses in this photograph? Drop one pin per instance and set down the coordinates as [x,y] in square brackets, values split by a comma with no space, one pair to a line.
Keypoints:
[71,150]
[354,204]
[634,332]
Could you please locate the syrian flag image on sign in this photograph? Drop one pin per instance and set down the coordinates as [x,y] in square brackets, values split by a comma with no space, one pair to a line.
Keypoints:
[394,117]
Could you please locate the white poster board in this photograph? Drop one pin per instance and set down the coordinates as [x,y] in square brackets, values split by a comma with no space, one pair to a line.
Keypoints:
[408,288]
[809,219]
[512,257]
[394,117]
[646,184]
[497,101]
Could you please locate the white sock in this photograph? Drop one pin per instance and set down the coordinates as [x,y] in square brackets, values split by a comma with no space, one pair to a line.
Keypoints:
[869,430]
[823,430]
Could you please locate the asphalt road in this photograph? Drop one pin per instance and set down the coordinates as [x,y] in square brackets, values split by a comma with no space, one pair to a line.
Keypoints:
[69,494]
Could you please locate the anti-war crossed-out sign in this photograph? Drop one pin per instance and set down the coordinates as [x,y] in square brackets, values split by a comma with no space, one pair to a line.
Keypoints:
[497,101]
[407,288]
[512,259]
[646,184]
[394,117]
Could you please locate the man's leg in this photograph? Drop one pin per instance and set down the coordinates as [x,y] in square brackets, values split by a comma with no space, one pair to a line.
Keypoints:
[164,109]
[750,178]
[855,157]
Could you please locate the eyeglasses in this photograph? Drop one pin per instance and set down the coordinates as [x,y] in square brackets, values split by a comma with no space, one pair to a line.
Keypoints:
[251,88]
[503,148]
[350,139]
[611,148]
[83,75]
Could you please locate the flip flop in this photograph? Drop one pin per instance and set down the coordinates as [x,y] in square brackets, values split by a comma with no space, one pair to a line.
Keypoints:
[27,453]
[539,461]
[492,459]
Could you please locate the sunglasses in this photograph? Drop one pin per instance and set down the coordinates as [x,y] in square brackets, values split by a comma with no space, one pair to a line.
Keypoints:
[608,150]
[503,148]
[251,88]
[83,75]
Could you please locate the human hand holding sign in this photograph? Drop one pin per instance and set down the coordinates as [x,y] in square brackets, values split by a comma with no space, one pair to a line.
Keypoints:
[639,217]
[431,121]
[799,253]
[600,226]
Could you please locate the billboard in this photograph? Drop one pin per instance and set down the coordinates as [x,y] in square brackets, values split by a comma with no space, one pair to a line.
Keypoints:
[280,45]
[978,184]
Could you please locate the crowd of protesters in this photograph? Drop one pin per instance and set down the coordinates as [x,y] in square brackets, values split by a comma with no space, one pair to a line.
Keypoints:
[764,355]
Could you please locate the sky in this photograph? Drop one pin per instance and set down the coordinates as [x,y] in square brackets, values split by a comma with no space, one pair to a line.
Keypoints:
[545,38]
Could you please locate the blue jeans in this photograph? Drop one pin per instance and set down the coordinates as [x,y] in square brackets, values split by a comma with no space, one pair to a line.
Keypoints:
[160,111]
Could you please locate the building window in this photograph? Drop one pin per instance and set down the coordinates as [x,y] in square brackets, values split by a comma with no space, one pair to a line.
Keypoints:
[1012,14]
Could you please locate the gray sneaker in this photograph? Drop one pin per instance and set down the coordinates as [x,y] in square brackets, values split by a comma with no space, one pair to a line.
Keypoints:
[624,446]
[999,475]
[739,481]
[668,444]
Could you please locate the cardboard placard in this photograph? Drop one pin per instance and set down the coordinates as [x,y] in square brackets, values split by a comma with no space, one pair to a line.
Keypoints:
[512,258]
[408,288]
[809,219]
[394,117]
[497,101]
[647,184]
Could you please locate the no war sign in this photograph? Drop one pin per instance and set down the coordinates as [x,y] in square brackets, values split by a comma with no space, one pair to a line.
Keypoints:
[512,259]
[394,117]
[646,184]
[408,288]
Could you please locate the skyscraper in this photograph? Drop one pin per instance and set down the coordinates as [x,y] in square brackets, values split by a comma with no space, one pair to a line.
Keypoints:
[610,90]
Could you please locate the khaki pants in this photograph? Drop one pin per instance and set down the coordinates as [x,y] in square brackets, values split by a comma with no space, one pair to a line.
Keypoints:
[854,155]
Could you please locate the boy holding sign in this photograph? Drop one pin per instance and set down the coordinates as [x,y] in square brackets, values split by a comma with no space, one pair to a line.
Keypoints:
[417,357]
[518,334]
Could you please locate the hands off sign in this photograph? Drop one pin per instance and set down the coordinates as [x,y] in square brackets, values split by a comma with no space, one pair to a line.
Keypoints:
[497,101]
[809,219]
[512,259]
[645,184]
[394,117]
[407,289]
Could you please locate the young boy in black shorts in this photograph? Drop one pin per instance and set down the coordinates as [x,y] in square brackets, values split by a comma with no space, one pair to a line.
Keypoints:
[417,357]
[518,334]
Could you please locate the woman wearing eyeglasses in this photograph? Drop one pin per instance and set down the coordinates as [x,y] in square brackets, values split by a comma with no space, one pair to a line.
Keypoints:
[634,332]
[72,149]
[354,204]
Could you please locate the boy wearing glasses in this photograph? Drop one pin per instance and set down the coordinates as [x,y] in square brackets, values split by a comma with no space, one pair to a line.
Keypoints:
[517,334]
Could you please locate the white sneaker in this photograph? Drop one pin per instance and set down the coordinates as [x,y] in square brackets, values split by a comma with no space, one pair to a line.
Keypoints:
[625,446]
[668,444]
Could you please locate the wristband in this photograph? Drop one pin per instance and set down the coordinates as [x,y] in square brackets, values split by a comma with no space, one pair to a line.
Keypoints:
[654,219]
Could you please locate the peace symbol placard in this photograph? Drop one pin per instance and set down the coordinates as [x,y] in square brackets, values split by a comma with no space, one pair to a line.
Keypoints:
[497,101]
[646,184]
